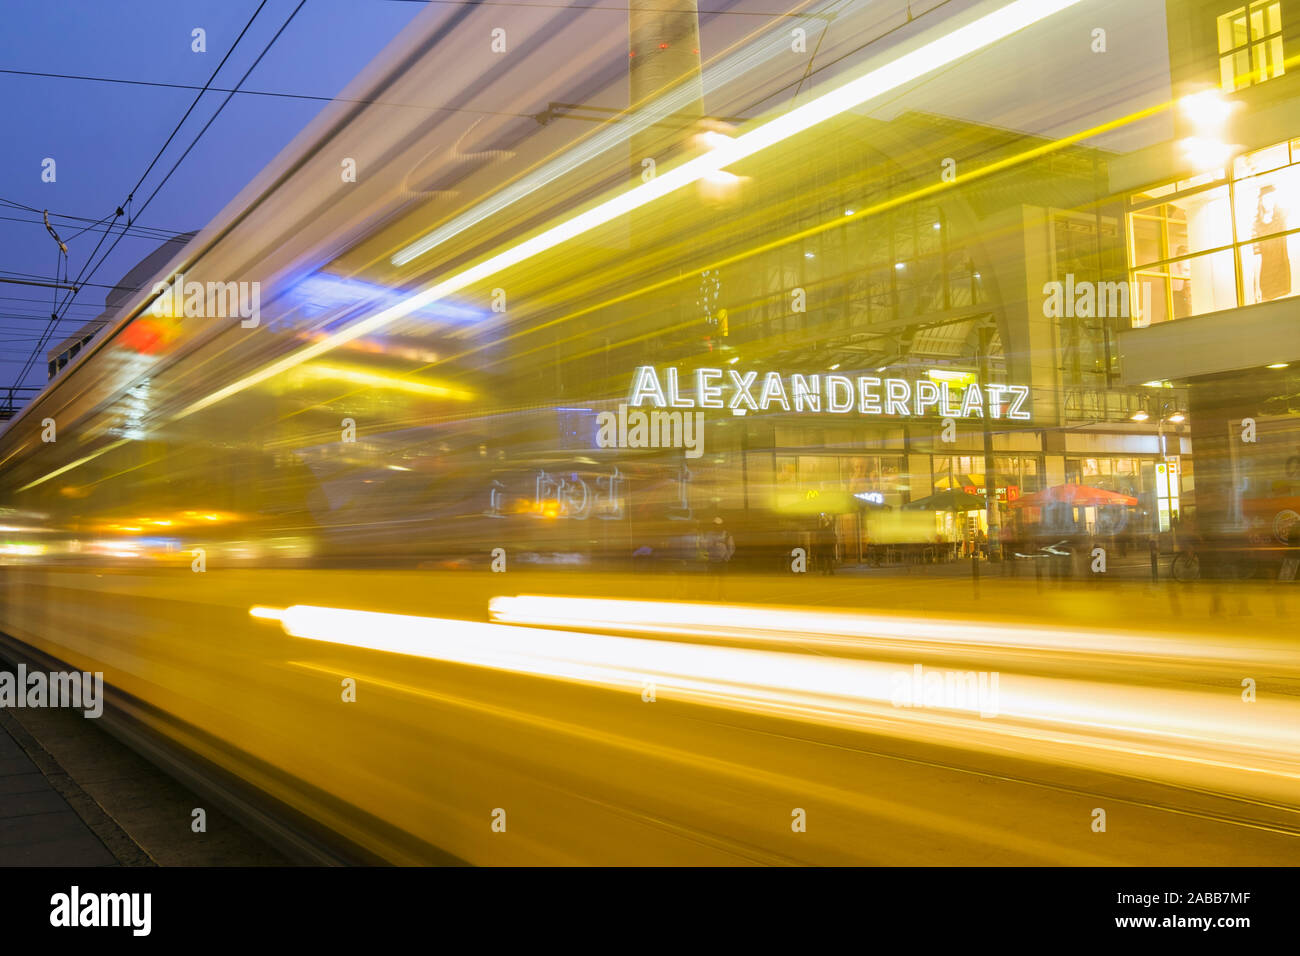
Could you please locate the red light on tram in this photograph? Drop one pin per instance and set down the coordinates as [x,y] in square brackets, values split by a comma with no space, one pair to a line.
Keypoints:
[147,335]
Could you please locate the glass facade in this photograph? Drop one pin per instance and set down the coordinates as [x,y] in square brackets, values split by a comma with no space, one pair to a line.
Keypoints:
[1250,45]
[1201,246]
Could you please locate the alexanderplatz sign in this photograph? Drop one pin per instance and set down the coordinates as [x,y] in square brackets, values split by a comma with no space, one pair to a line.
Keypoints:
[841,394]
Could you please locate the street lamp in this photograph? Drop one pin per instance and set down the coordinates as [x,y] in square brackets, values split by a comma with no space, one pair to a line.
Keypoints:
[1167,417]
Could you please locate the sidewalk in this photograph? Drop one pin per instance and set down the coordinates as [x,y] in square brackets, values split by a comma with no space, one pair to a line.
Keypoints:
[38,827]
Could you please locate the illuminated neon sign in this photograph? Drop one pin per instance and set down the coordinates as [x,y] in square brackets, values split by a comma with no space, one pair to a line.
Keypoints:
[836,394]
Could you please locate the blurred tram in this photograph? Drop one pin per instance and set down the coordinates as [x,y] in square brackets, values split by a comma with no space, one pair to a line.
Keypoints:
[464,265]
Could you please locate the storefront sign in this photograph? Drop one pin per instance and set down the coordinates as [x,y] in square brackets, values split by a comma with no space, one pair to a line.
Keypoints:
[836,394]
[1009,493]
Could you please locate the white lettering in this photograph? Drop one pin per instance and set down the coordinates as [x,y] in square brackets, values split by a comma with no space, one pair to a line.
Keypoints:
[897,395]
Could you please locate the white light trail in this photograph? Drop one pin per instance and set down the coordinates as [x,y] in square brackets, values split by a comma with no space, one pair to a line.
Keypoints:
[823,629]
[911,66]
[1079,721]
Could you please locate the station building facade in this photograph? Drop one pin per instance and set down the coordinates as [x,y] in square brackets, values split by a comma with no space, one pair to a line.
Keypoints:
[966,284]
[1212,223]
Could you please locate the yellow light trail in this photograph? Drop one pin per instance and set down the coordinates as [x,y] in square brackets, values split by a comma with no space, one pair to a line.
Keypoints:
[828,629]
[384,380]
[1078,721]
[953,46]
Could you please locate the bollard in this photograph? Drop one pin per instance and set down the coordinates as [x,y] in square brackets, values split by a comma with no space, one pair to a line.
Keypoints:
[975,573]
[1155,561]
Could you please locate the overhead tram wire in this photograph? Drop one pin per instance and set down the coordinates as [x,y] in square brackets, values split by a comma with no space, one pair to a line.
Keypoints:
[70,216]
[18,205]
[150,232]
[135,232]
[85,229]
[21,298]
[272,93]
[19,316]
[53,321]
[50,326]
[32,275]
[772,15]
[157,156]
[224,103]
[83,274]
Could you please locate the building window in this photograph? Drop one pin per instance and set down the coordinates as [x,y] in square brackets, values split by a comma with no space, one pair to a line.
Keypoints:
[1134,477]
[1121,475]
[1250,45]
[906,265]
[867,476]
[1016,475]
[1219,241]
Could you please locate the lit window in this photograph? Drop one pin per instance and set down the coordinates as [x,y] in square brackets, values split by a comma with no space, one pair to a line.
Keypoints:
[1250,45]
[1198,250]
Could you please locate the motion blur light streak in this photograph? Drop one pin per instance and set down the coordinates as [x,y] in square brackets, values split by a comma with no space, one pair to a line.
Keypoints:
[690,760]
[379,380]
[822,629]
[400,584]
[1104,725]
[619,131]
[74,464]
[938,53]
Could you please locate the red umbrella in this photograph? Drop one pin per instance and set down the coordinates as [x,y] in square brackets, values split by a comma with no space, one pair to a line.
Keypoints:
[1077,496]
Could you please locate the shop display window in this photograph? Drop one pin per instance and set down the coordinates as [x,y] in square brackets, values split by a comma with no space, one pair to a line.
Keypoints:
[1250,45]
[1220,245]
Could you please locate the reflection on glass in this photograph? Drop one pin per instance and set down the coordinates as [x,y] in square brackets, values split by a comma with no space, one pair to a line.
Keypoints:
[1193,253]
[1203,284]
[1273,265]
[1261,161]
[1250,45]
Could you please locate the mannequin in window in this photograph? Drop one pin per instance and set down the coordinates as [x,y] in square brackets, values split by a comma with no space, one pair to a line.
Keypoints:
[1274,265]
[1180,279]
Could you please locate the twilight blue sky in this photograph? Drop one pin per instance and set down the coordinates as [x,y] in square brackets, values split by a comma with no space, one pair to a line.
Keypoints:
[103,135]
